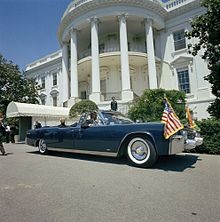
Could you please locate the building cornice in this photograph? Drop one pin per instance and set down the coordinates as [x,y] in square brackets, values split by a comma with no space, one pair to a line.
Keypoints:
[45,60]
[39,67]
[72,13]
[77,3]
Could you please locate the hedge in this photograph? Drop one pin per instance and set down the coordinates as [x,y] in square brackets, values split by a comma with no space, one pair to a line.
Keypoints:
[210,131]
[150,105]
[84,106]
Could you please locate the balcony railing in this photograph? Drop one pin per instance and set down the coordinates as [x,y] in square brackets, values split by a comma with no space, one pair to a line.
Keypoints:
[110,49]
[108,96]
[133,48]
[77,3]
[172,4]
[137,48]
[84,54]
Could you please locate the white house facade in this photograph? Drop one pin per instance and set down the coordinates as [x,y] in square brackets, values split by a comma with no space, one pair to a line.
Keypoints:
[120,48]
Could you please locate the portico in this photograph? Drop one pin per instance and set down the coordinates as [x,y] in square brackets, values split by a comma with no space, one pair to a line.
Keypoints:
[125,53]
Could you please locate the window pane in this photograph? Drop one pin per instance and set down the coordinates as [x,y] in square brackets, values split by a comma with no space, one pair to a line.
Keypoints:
[183,78]
[54,79]
[43,101]
[179,40]
[83,95]
[43,82]
[55,101]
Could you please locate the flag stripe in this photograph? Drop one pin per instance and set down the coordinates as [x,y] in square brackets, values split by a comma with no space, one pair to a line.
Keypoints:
[172,122]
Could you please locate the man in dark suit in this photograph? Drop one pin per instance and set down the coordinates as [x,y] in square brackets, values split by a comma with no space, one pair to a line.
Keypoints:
[114,104]
[2,133]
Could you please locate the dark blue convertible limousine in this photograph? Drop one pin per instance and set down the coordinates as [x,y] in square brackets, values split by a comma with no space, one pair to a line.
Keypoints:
[114,135]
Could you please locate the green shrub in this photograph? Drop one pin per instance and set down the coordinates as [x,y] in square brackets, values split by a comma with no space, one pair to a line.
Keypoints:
[84,106]
[210,131]
[150,106]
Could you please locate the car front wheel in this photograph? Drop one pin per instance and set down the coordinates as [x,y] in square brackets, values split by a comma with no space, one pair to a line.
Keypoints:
[141,152]
[42,146]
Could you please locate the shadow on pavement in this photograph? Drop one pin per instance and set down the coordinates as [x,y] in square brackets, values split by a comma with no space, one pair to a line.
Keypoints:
[167,163]
[86,157]
[6,154]
[176,162]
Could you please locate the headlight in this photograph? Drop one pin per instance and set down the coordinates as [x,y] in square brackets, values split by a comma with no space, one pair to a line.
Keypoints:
[198,134]
[184,134]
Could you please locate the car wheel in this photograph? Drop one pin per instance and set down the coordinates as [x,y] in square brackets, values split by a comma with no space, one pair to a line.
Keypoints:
[141,152]
[42,146]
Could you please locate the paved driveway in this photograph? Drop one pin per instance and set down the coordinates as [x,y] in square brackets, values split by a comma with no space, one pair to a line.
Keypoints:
[69,187]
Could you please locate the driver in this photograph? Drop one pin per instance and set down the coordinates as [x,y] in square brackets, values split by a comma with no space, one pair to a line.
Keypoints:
[93,119]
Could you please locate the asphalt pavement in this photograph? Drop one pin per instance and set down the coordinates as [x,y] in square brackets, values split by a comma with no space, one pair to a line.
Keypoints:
[66,187]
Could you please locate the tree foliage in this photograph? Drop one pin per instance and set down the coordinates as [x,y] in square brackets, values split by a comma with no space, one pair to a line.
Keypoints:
[84,106]
[150,106]
[206,28]
[13,85]
[210,130]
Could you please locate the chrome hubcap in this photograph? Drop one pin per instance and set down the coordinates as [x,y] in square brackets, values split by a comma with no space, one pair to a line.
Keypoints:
[42,146]
[139,150]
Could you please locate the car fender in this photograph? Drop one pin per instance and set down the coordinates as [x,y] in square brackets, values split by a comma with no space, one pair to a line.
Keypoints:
[148,134]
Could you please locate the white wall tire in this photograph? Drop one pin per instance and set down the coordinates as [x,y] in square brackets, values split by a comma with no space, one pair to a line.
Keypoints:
[141,152]
[42,146]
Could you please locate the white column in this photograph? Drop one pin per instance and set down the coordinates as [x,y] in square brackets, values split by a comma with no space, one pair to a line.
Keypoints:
[65,84]
[95,96]
[125,75]
[73,68]
[150,54]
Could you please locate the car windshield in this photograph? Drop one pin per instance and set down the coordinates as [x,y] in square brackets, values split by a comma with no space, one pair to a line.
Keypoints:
[115,118]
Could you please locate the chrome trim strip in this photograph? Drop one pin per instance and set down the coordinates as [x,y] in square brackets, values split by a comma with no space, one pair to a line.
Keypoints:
[84,152]
[177,137]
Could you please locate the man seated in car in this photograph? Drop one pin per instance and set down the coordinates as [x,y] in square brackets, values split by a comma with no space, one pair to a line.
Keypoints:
[92,121]
[62,123]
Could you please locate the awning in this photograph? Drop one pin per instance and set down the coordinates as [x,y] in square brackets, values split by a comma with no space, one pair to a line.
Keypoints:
[15,109]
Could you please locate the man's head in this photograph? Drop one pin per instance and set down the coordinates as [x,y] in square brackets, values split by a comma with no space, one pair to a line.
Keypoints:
[113,98]
[62,121]
[1,116]
[93,115]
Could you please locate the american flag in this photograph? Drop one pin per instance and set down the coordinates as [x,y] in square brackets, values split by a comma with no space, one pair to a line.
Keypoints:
[172,122]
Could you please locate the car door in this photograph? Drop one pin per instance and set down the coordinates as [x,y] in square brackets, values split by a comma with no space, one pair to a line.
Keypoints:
[60,137]
[98,138]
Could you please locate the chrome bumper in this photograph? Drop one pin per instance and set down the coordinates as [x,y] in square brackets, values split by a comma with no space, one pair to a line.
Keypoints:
[176,144]
[199,141]
[193,143]
[179,143]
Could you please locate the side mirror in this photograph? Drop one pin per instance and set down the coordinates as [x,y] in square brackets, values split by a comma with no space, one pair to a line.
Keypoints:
[74,124]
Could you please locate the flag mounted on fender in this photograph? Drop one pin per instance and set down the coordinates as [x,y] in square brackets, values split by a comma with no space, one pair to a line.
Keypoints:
[191,122]
[172,122]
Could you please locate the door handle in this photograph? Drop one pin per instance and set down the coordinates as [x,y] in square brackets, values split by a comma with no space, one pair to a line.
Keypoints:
[80,133]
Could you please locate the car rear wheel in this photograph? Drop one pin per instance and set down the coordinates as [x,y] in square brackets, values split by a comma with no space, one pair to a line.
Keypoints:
[42,146]
[141,152]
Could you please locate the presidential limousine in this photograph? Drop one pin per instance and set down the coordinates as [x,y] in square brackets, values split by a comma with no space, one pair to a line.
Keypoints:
[114,135]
